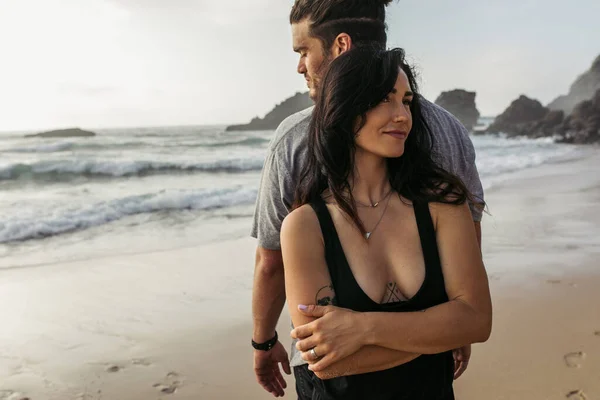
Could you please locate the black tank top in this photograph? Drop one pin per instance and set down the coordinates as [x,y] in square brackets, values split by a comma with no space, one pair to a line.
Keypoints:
[426,377]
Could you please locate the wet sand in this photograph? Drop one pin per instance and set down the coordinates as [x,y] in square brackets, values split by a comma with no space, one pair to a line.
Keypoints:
[176,324]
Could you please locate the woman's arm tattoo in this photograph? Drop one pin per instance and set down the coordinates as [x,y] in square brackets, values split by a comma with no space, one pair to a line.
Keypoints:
[325,296]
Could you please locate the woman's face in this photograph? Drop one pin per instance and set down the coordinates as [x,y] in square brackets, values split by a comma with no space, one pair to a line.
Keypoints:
[388,124]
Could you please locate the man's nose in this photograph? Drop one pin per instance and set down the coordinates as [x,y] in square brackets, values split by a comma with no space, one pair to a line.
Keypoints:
[301,68]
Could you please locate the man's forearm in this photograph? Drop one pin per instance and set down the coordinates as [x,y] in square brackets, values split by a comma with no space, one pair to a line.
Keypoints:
[268,295]
[367,359]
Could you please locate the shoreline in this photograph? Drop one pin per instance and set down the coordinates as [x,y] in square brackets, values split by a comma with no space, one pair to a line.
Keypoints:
[92,243]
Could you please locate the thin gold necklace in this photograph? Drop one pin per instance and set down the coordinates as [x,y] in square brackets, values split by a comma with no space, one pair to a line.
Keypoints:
[377,203]
[368,234]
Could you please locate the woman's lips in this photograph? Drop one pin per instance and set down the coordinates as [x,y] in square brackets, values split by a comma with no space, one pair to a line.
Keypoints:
[397,134]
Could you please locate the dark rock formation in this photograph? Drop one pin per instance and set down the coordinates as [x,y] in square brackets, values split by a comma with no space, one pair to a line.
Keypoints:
[462,105]
[582,89]
[64,133]
[519,116]
[526,117]
[583,125]
[292,105]
[549,126]
[574,118]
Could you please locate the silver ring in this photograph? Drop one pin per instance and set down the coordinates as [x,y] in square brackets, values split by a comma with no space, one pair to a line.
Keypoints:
[314,353]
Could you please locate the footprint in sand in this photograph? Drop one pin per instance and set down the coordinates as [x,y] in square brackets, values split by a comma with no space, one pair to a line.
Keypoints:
[576,395]
[575,359]
[4,394]
[558,282]
[11,395]
[171,383]
[113,368]
[141,361]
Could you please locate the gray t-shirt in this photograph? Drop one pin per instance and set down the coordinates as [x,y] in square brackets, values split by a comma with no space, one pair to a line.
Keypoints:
[453,149]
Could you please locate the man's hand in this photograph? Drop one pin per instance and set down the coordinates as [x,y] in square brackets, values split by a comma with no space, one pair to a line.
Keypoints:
[266,368]
[461,360]
[268,298]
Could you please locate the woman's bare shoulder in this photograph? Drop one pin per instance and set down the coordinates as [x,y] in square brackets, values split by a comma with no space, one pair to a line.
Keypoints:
[449,212]
[301,222]
[439,207]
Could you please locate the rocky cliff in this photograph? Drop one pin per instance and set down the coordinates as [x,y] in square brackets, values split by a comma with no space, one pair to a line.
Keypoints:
[583,125]
[582,89]
[462,105]
[298,102]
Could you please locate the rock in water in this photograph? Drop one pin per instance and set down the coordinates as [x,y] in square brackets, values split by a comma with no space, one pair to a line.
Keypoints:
[518,115]
[574,118]
[526,117]
[64,133]
[462,105]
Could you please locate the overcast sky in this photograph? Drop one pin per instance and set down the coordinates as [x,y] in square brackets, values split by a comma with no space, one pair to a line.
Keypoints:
[110,63]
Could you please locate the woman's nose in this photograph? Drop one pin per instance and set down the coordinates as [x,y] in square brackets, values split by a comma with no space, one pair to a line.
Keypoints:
[402,114]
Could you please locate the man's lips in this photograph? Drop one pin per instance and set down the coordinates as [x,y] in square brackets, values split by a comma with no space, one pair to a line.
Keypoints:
[397,134]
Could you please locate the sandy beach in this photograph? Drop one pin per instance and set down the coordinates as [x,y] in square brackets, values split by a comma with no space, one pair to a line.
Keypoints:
[176,324]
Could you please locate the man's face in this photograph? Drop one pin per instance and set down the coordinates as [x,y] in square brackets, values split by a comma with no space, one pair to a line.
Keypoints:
[313,62]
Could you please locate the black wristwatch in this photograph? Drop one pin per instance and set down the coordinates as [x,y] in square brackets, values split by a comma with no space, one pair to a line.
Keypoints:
[266,346]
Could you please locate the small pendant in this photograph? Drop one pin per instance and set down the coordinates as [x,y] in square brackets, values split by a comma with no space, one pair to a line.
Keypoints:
[367,235]
[375,205]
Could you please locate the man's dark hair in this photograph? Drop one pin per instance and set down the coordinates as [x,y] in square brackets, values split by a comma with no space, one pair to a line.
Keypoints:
[355,83]
[363,20]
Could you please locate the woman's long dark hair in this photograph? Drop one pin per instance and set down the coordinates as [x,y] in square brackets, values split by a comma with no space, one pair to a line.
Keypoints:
[355,82]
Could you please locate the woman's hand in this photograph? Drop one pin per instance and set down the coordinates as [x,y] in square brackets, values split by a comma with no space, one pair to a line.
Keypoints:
[333,336]
[461,360]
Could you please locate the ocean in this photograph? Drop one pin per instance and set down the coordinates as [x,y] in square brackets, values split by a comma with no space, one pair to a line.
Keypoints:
[140,189]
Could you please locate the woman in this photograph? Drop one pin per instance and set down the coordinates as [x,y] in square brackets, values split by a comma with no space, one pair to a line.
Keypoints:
[379,231]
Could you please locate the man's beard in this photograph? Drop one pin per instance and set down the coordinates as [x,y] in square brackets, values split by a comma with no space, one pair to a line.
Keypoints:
[318,77]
